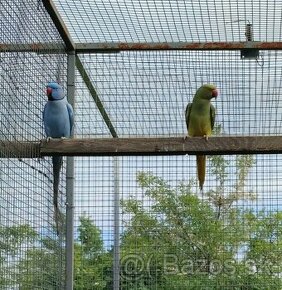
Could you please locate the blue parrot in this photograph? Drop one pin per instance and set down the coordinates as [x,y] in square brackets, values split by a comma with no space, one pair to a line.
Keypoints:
[58,123]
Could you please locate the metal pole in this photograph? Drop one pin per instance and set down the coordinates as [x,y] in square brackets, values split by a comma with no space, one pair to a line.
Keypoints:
[70,183]
[59,23]
[116,262]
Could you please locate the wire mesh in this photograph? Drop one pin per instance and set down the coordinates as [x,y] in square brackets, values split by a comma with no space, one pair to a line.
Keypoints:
[31,255]
[170,21]
[142,222]
[172,236]
[145,93]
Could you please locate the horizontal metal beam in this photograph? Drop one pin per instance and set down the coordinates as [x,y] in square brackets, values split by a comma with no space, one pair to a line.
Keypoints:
[123,46]
[228,145]
[59,23]
[115,47]
[38,47]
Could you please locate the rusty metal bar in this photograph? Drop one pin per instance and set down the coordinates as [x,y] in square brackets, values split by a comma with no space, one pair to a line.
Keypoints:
[115,47]
[42,47]
[121,46]
[59,23]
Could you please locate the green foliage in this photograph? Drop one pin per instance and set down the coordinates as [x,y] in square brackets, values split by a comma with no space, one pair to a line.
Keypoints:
[90,237]
[92,263]
[173,239]
[265,243]
[11,240]
[182,241]
[43,265]
[40,270]
[40,262]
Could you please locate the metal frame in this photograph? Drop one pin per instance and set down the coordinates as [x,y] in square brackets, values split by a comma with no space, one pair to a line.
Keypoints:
[122,46]
[115,47]
[59,23]
[70,184]
[70,48]
[95,97]
[39,47]
[116,248]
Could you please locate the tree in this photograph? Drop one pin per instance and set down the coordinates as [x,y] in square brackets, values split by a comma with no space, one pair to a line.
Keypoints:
[43,265]
[92,263]
[12,239]
[172,239]
[264,255]
[182,241]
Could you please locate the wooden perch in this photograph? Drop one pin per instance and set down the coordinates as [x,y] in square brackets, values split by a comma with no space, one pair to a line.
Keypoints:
[227,145]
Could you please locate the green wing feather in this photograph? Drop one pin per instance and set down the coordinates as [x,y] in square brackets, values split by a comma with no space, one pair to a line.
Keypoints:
[212,114]
[187,114]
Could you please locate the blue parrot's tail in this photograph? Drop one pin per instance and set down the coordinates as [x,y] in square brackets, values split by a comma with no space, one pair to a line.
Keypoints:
[57,164]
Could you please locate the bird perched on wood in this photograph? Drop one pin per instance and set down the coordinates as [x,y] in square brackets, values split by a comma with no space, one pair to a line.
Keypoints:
[58,123]
[200,117]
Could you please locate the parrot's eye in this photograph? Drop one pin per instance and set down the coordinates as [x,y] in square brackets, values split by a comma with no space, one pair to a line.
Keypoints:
[214,93]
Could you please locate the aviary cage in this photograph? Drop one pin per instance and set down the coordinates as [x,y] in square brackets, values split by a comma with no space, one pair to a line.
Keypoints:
[135,218]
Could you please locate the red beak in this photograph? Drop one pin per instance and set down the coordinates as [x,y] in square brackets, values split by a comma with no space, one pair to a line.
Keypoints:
[214,93]
[48,91]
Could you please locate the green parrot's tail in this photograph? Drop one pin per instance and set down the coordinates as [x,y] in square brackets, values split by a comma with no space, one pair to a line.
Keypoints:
[201,168]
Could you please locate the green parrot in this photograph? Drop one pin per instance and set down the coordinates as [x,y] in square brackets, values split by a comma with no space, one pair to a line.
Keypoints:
[200,117]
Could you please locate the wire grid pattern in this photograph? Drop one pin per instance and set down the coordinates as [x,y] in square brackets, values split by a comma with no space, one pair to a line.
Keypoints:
[155,235]
[31,255]
[170,21]
[146,93]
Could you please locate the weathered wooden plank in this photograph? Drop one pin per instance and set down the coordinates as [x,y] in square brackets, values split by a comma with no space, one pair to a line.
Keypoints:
[12,149]
[228,145]
[165,146]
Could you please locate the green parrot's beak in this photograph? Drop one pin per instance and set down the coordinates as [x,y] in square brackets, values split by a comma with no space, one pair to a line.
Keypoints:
[214,93]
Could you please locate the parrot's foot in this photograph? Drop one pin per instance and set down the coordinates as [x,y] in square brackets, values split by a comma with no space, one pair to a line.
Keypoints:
[206,137]
[185,137]
[48,139]
[62,138]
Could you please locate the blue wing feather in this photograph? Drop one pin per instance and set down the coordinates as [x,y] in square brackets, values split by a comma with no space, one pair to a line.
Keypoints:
[71,117]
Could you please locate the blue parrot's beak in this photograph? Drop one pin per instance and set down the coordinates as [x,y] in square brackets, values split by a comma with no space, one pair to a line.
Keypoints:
[48,91]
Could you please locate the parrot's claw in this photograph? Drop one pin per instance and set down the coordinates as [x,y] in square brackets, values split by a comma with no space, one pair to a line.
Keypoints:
[206,137]
[48,139]
[62,138]
[185,137]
